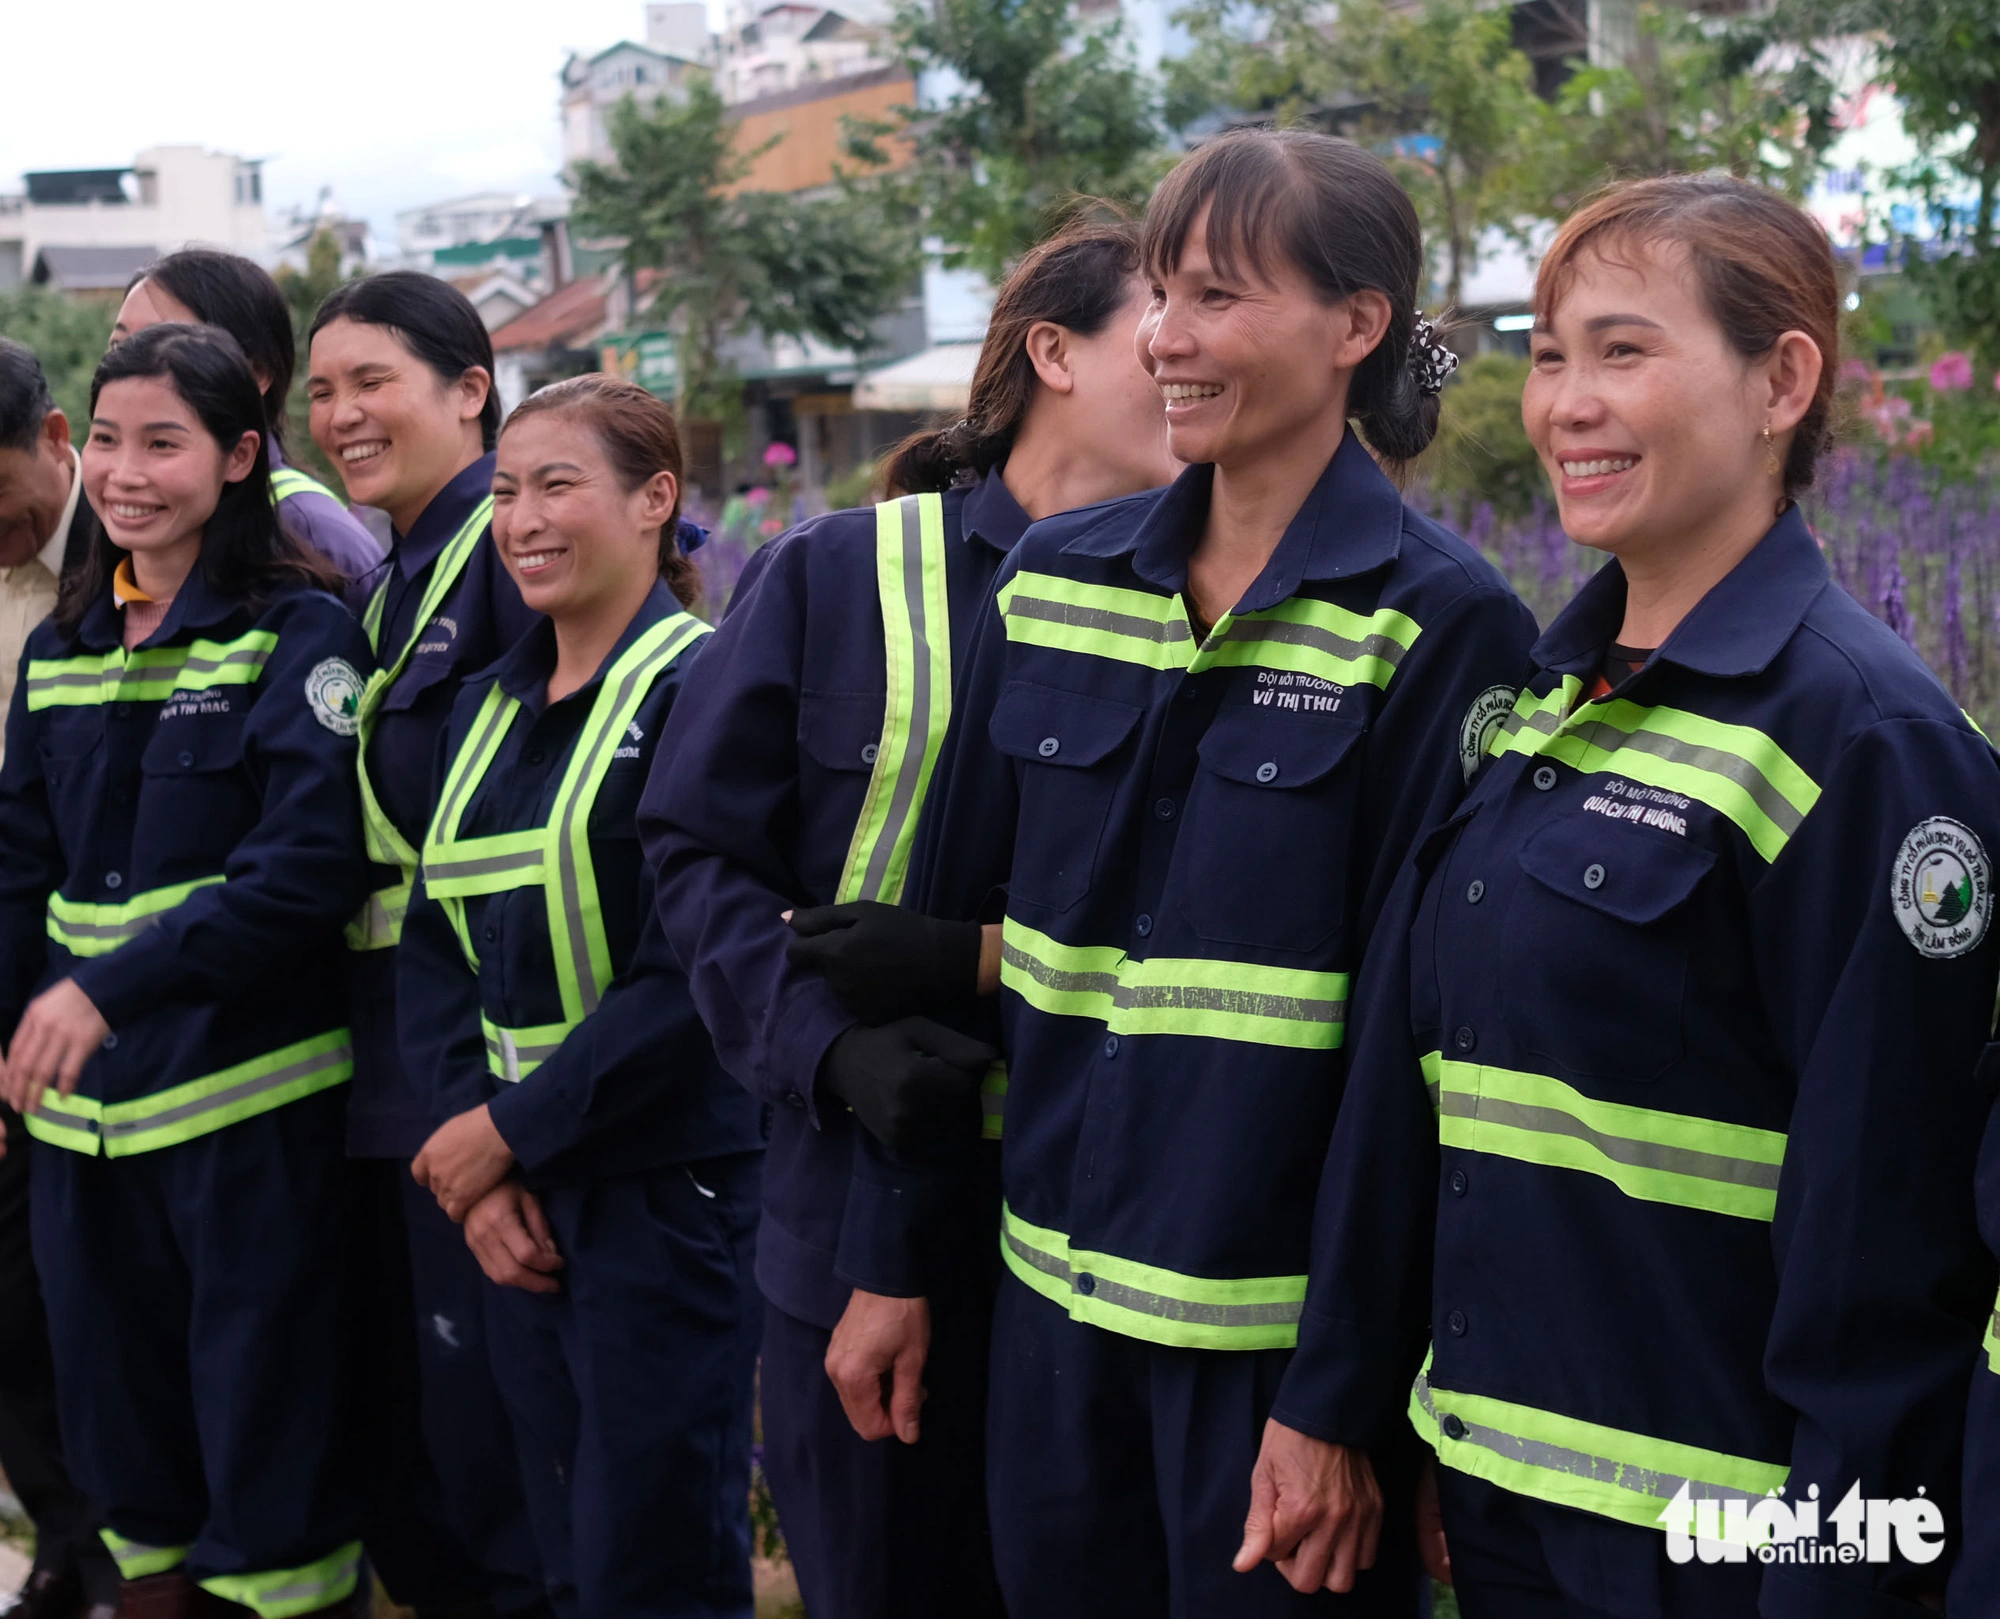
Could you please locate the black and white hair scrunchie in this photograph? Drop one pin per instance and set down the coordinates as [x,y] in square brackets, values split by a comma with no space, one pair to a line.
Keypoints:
[1430,359]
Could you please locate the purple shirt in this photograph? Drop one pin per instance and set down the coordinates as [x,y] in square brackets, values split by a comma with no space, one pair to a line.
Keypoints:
[322,523]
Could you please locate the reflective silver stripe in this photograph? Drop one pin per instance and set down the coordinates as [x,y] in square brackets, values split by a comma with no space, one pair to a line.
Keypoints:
[1783,814]
[254,657]
[1544,721]
[903,793]
[1158,1305]
[1318,638]
[1139,995]
[1548,1121]
[491,865]
[494,716]
[317,1063]
[510,1052]
[1167,632]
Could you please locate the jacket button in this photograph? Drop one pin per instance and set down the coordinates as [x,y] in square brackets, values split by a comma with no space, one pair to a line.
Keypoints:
[1143,927]
[111,1042]
[1268,771]
[534,756]
[1457,1183]
[1545,778]
[1456,1321]
[489,933]
[1453,1427]
[1593,876]
[1465,1039]
[113,880]
[1164,809]
[1111,1045]
[1048,747]
[187,759]
[1475,891]
[870,753]
[796,1100]
[1086,1284]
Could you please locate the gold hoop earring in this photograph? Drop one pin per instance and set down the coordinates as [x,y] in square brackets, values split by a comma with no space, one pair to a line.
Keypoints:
[1772,464]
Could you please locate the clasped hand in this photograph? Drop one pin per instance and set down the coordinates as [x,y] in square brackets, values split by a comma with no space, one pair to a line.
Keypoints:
[58,1034]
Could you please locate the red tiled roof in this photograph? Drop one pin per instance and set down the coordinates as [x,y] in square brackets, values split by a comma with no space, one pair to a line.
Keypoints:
[575,312]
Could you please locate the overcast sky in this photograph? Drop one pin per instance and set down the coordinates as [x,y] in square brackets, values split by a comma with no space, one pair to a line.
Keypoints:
[391,102]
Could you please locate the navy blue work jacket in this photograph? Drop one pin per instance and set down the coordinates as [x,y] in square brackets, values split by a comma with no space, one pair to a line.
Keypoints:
[750,813]
[186,845]
[1194,839]
[1679,1075]
[478,621]
[636,1085]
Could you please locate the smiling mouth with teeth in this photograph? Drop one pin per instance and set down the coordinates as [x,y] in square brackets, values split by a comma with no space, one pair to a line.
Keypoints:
[133,514]
[1598,469]
[1176,393]
[364,452]
[535,561]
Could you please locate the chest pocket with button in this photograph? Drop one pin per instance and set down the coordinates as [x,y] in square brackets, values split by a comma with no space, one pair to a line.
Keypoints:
[840,731]
[197,800]
[1263,854]
[1601,921]
[1070,750]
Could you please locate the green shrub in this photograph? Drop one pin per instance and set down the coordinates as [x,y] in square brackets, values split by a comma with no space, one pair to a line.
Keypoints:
[1482,455]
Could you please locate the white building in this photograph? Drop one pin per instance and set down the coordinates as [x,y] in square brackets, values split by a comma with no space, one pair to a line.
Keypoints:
[593,85]
[171,197]
[777,45]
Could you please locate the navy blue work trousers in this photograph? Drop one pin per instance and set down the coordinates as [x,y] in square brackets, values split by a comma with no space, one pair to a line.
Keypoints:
[630,1391]
[1119,1478]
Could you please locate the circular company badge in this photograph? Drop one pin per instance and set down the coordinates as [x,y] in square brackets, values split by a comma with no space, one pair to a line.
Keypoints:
[334,691]
[1483,719]
[1941,888]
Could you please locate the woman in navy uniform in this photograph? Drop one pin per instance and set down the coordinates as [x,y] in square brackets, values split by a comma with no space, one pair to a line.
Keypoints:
[227,290]
[603,1164]
[791,779]
[1666,1121]
[401,400]
[180,843]
[1201,729]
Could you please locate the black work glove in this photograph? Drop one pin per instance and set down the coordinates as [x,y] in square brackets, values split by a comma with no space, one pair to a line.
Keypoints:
[913,1084]
[885,962]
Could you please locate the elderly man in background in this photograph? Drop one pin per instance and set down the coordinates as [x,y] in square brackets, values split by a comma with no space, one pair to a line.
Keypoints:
[43,520]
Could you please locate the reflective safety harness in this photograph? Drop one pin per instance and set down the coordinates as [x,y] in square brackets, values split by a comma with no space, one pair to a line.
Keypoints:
[1632,1477]
[380,924]
[169,1117]
[1991,1342]
[554,857]
[916,643]
[289,481]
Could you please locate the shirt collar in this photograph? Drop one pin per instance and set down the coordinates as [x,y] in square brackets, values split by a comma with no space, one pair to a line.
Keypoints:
[444,517]
[1351,523]
[196,606]
[51,554]
[1737,629]
[992,514]
[524,671]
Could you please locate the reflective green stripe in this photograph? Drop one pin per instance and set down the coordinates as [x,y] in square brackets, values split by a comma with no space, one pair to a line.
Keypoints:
[1991,1343]
[289,481]
[1538,716]
[385,843]
[993,1103]
[93,679]
[1734,769]
[283,1593]
[1221,1000]
[1309,637]
[1104,621]
[135,1559]
[97,930]
[1658,1157]
[554,857]
[1627,1476]
[1143,1301]
[198,1107]
[514,1054]
[916,628]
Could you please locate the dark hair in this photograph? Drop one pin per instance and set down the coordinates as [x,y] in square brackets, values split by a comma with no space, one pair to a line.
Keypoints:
[246,555]
[1334,212]
[24,396]
[637,433]
[1078,279]
[435,321]
[226,290]
[1763,264]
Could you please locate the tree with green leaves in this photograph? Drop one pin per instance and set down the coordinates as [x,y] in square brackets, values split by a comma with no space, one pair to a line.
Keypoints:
[1688,95]
[1044,106]
[305,290]
[734,262]
[1439,89]
[68,337]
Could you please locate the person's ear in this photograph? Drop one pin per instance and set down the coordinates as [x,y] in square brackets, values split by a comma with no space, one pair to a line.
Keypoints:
[1793,369]
[239,462]
[1366,316]
[658,497]
[1049,353]
[55,434]
[473,386]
